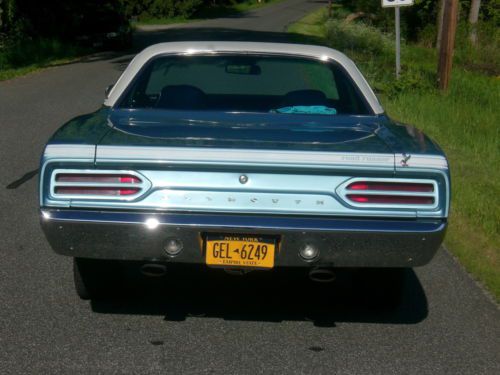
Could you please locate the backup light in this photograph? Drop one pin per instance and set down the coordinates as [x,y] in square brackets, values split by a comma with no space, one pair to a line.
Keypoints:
[173,246]
[308,252]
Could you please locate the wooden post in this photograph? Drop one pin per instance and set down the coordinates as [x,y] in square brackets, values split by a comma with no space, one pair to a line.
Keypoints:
[447,43]
[329,8]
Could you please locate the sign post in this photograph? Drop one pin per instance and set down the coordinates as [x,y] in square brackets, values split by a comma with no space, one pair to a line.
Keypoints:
[398,42]
[396,4]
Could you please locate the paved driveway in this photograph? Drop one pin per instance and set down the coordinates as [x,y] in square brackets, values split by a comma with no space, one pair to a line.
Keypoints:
[211,323]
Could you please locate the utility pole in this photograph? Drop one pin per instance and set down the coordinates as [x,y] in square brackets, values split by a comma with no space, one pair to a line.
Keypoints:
[447,43]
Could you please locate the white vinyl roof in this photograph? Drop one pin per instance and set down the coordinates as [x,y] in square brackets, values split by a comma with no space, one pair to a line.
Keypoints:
[192,48]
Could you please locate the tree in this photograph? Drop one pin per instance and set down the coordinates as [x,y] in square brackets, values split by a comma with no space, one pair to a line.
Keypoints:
[440,24]
[473,18]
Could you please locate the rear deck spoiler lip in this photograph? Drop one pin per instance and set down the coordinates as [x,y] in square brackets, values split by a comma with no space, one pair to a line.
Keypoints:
[198,155]
[261,157]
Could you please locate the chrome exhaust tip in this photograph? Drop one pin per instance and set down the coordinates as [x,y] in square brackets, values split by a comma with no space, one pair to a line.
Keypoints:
[153,270]
[322,275]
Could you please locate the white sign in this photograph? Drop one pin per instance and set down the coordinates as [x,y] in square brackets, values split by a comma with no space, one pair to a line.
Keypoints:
[396,3]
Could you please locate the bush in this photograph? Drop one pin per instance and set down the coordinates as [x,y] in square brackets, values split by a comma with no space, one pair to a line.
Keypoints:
[35,52]
[483,57]
[357,37]
[374,51]
[161,8]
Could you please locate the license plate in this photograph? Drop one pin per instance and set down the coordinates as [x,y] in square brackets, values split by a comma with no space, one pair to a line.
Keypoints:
[240,251]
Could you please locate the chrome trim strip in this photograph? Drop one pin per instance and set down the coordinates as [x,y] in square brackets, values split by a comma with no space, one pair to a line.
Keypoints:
[143,186]
[444,173]
[185,155]
[64,153]
[218,220]
[67,151]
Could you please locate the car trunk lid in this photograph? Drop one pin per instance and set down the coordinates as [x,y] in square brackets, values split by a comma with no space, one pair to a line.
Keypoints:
[244,131]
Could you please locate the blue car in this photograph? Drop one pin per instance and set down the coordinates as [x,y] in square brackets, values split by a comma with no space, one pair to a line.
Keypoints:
[245,157]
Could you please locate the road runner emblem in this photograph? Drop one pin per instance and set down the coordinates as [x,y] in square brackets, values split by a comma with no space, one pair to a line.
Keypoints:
[404,161]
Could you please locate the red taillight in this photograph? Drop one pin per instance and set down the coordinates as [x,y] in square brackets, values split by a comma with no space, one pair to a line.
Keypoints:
[391,186]
[386,192]
[98,178]
[96,184]
[390,199]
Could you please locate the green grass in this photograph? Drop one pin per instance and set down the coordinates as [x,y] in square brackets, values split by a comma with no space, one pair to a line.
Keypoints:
[23,57]
[208,12]
[464,121]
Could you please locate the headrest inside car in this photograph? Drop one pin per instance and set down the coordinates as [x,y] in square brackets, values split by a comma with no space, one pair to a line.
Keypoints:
[181,97]
[304,97]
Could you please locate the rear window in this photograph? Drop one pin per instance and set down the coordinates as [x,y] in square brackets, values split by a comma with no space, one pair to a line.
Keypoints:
[245,83]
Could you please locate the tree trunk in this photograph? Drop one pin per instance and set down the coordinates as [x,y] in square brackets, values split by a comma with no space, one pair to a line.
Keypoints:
[440,24]
[447,43]
[473,18]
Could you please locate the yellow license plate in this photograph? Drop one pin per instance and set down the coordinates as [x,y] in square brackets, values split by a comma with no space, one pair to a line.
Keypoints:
[240,251]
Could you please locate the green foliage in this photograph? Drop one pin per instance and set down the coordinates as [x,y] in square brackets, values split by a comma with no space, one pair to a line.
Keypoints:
[374,51]
[420,18]
[483,57]
[353,36]
[18,58]
[168,11]
[464,121]
[161,8]
[64,19]
[37,51]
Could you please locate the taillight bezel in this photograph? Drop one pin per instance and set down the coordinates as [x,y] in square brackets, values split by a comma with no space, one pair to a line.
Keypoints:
[142,186]
[343,193]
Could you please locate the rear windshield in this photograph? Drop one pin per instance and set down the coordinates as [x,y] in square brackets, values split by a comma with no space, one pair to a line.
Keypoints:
[245,83]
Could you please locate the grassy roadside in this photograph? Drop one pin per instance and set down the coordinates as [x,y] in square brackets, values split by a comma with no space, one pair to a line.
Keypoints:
[10,73]
[463,121]
[209,12]
[31,55]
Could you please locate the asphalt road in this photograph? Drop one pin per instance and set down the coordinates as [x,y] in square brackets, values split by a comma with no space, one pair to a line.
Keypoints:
[209,323]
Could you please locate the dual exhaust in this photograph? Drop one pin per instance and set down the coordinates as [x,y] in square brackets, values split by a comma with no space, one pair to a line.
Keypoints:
[308,253]
[154,270]
[316,274]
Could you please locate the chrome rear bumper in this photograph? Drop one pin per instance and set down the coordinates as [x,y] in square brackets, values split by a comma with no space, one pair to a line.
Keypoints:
[343,242]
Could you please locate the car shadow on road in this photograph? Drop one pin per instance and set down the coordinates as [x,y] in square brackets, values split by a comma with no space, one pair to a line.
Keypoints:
[271,296]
